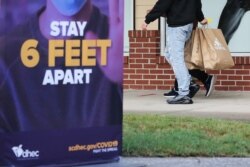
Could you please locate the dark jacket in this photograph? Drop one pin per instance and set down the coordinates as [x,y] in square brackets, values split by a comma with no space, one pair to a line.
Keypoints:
[178,12]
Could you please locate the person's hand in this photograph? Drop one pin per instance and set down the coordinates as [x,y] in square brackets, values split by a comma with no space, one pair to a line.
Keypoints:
[204,21]
[144,26]
[114,68]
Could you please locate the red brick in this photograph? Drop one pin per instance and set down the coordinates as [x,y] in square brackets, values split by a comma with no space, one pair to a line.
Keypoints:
[142,39]
[237,67]
[142,82]
[163,77]
[142,71]
[213,71]
[125,59]
[125,87]
[136,87]
[129,71]
[170,71]
[247,60]
[173,77]
[227,82]
[155,50]
[164,87]
[165,66]
[142,50]
[149,66]
[241,83]
[222,77]
[149,87]
[128,82]
[131,39]
[163,61]
[131,61]
[136,45]
[247,67]
[235,77]
[142,61]
[125,76]
[135,55]
[235,88]
[237,61]
[149,55]
[149,76]
[125,66]
[131,50]
[153,61]
[135,65]
[169,82]
[151,45]
[130,34]
[221,88]
[218,82]
[246,77]
[156,82]
[144,33]
[136,76]
[154,34]
[242,72]
[138,34]
[154,39]
[227,71]
[246,88]
[152,71]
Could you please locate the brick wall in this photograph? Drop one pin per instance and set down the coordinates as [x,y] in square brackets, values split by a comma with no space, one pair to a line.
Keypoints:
[146,69]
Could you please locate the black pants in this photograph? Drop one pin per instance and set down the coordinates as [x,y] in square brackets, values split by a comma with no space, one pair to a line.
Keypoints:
[196,73]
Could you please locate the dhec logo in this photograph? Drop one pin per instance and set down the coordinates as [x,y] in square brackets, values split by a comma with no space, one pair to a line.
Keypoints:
[26,154]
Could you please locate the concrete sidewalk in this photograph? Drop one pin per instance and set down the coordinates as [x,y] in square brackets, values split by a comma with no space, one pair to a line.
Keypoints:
[177,162]
[221,104]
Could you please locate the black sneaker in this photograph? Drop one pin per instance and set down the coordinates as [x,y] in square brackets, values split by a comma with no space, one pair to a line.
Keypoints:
[209,85]
[171,93]
[180,100]
[193,89]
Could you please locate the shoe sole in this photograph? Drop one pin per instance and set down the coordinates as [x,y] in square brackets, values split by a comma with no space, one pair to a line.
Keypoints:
[169,96]
[211,88]
[181,102]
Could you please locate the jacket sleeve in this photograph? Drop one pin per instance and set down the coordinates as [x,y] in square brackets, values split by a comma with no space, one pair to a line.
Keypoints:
[159,9]
[199,13]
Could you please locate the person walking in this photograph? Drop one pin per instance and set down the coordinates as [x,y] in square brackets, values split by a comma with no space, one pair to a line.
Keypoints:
[201,75]
[180,17]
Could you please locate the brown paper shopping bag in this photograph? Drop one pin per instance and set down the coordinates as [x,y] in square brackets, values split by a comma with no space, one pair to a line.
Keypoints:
[196,57]
[215,52]
[193,57]
[188,52]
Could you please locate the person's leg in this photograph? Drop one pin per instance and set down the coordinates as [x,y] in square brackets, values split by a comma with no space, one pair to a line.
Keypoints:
[206,79]
[176,38]
[199,74]
[173,92]
[193,89]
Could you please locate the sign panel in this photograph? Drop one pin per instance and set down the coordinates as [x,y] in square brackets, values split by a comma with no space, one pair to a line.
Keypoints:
[60,81]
